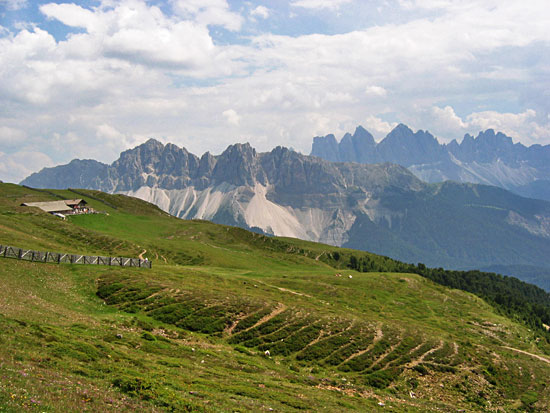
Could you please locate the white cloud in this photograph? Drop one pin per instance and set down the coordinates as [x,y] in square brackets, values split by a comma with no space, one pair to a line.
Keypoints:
[260,11]
[231,117]
[209,12]
[17,166]
[72,15]
[135,71]
[105,131]
[14,4]
[523,126]
[377,126]
[136,32]
[320,4]
[376,91]
[425,4]
[11,136]
[445,119]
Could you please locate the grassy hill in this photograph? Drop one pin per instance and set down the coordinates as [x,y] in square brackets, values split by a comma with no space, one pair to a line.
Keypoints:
[229,320]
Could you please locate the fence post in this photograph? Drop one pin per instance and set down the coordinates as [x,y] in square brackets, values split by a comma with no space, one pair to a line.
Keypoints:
[20,253]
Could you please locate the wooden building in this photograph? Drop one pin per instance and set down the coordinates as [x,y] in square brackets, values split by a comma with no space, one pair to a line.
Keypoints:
[78,205]
[64,207]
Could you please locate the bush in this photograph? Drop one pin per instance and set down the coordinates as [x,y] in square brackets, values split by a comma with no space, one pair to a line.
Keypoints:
[148,336]
[135,387]
[382,378]
[420,368]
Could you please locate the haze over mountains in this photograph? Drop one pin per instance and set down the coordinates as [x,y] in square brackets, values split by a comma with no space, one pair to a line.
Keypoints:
[490,158]
[381,208]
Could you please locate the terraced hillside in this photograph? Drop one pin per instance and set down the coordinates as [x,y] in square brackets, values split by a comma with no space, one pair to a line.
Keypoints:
[229,320]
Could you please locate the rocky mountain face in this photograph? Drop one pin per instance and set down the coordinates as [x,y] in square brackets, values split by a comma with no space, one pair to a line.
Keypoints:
[383,208]
[490,158]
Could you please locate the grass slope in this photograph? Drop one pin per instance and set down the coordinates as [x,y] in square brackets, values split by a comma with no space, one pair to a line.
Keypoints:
[192,333]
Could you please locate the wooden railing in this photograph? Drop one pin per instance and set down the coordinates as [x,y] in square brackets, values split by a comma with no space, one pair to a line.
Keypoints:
[60,258]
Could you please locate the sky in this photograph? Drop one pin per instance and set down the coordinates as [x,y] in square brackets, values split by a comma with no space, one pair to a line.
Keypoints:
[89,79]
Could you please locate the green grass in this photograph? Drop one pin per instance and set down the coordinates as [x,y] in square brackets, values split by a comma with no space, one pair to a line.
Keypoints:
[191,333]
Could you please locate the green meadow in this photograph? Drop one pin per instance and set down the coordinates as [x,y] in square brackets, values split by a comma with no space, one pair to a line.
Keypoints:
[233,321]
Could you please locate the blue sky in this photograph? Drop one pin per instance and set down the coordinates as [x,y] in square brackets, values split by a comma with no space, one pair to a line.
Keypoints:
[89,79]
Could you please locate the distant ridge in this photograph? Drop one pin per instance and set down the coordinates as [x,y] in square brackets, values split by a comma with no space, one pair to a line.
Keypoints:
[490,158]
[381,208]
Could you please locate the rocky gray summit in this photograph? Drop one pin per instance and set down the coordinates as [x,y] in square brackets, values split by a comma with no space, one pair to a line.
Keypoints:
[490,158]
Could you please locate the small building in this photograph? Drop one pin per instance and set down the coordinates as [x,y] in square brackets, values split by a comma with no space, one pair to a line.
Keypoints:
[78,205]
[64,207]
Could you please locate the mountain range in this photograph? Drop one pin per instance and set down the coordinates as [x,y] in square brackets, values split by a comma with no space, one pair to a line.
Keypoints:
[490,158]
[383,208]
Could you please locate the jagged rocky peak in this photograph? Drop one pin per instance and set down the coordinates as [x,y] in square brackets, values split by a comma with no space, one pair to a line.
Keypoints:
[207,164]
[155,164]
[400,131]
[493,138]
[488,147]
[363,136]
[294,173]
[176,160]
[489,141]
[404,135]
[358,147]
[400,145]
[405,147]
[134,159]
[326,147]
[238,165]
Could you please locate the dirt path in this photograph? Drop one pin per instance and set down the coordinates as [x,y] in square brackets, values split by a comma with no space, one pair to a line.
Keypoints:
[322,335]
[229,330]
[286,290]
[517,350]
[141,255]
[420,359]
[377,337]
[278,310]
[386,354]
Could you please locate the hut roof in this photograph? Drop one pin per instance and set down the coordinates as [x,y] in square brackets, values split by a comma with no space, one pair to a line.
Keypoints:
[74,202]
[51,206]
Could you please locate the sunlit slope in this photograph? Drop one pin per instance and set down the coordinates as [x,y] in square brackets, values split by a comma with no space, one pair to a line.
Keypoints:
[193,332]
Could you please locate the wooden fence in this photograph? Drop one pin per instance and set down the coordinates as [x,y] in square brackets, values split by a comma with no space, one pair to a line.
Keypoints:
[60,258]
